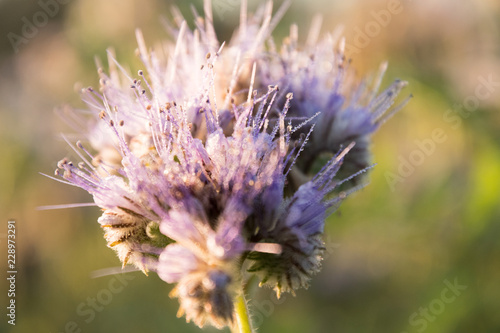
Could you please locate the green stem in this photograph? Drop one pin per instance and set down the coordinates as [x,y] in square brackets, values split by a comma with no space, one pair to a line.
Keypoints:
[243,323]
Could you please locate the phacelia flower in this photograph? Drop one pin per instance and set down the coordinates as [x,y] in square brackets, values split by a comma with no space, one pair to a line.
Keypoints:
[319,75]
[191,159]
[324,85]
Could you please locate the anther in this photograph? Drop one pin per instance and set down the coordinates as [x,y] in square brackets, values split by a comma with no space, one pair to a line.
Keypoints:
[97,160]
[62,163]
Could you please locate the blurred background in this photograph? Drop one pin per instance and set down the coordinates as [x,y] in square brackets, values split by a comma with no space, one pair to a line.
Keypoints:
[416,251]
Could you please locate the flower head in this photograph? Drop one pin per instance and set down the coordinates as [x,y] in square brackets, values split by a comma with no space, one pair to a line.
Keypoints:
[324,85]
[194,160]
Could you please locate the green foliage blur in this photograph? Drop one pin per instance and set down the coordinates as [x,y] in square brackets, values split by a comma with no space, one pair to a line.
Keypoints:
[430,216]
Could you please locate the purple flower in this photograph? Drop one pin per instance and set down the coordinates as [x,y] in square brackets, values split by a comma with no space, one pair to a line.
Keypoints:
[324,86]
[196,159]
[298,229]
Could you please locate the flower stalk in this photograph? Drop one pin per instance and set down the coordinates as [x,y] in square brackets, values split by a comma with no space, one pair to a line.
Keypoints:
[243,322]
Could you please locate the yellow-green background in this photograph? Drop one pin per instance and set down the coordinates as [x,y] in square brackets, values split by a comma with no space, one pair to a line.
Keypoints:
[394,248]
